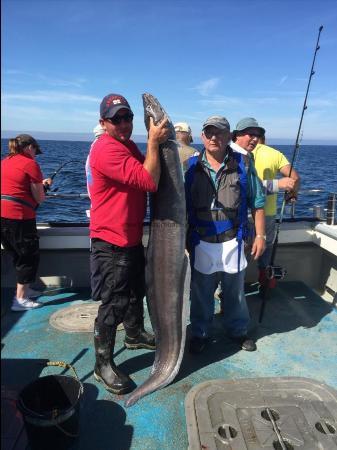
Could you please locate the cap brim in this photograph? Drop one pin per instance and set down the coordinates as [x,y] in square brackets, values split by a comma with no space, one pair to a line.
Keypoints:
[216,125]
[263,131]
[118,108]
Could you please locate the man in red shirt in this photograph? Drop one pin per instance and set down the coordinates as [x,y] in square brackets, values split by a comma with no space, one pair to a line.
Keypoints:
[118,178]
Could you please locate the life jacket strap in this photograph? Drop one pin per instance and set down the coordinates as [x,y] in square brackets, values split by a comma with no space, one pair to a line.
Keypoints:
[213,227]
[10,198]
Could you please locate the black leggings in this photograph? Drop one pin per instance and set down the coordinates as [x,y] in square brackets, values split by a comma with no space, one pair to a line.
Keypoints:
[19,237]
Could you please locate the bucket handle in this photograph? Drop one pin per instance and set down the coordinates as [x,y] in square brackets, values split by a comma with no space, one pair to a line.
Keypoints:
[66,366]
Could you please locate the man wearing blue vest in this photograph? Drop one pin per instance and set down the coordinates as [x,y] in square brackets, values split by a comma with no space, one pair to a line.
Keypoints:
[220,186]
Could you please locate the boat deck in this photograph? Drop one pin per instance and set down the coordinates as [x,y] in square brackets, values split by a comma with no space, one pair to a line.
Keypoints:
[297,337]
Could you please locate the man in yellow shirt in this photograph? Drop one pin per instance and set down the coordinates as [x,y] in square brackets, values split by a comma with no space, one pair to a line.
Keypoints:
[269,163]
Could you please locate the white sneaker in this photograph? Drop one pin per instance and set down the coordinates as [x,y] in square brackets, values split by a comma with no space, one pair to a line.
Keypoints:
[33,293]
[24,304]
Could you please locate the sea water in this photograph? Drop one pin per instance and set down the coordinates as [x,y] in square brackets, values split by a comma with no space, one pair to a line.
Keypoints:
[316,164]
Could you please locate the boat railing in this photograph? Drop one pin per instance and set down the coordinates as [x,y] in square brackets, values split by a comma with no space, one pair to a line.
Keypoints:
[66,195]
[318,211]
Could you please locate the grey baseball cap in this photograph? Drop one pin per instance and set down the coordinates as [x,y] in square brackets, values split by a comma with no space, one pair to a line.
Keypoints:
[248,122]
[217,122]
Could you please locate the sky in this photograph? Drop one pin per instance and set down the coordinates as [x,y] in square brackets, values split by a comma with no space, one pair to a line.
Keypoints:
[199,58]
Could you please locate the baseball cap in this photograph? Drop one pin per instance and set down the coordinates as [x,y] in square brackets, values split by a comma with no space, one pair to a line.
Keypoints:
[217,122]
[184,127]
[27,139]
[248,122]
[112,103]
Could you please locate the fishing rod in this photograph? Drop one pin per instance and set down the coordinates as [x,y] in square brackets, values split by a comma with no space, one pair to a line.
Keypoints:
[277,272]
[47,187]
[63,165]
[68,195]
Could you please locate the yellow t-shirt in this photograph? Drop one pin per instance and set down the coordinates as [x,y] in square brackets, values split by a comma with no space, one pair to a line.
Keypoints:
[268,161]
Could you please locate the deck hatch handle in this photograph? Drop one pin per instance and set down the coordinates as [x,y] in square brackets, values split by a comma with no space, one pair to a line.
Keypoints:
[284,445]
[227,432]
[325,427]
[273,416]
[270,414]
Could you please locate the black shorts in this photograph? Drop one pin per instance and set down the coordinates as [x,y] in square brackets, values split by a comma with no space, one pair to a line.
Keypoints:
[19,237]
[118,280]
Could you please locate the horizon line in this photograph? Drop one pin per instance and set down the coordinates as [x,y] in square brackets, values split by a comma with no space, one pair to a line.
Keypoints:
[141,138]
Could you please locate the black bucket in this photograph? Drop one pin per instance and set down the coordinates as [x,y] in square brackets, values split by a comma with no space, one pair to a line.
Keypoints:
[50,407]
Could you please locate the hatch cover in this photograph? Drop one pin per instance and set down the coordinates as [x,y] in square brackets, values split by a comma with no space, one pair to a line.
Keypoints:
[289,413]
[77,318]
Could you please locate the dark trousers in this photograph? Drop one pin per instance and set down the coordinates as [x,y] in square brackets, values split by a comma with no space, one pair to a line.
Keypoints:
[118,280]
[19,237]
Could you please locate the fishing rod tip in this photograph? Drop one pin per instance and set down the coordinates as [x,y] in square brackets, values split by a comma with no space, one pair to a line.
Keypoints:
[321,28]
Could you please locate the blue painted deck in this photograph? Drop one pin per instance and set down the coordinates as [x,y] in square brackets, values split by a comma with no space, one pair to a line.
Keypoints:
[298,337]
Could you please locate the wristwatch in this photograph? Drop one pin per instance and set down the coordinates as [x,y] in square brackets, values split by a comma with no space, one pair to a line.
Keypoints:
[261,236]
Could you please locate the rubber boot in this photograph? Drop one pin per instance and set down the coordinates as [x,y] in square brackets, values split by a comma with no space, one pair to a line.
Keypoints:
[137,337]
[106,372]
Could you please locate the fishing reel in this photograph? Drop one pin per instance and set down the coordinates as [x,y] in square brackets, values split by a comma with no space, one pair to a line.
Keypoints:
[47,189]
[275,272]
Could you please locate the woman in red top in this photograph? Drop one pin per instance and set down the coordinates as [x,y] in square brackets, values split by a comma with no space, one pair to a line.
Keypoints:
[22,190]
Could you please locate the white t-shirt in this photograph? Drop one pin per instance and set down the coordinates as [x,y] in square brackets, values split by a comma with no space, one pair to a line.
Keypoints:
[234,146]
[223,257]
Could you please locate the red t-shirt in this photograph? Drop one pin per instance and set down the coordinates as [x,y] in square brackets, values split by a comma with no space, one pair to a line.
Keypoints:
[118,184]
[17,174]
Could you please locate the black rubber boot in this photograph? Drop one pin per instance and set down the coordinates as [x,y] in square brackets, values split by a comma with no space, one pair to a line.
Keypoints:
[138,338]
[106,371]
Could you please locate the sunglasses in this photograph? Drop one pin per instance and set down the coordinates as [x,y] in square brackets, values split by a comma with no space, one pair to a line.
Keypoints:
[251,133]
[209,134]
[116,120]
[257,135]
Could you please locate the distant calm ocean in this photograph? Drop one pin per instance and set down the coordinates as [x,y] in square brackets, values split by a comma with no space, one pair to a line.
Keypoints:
[316,164]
